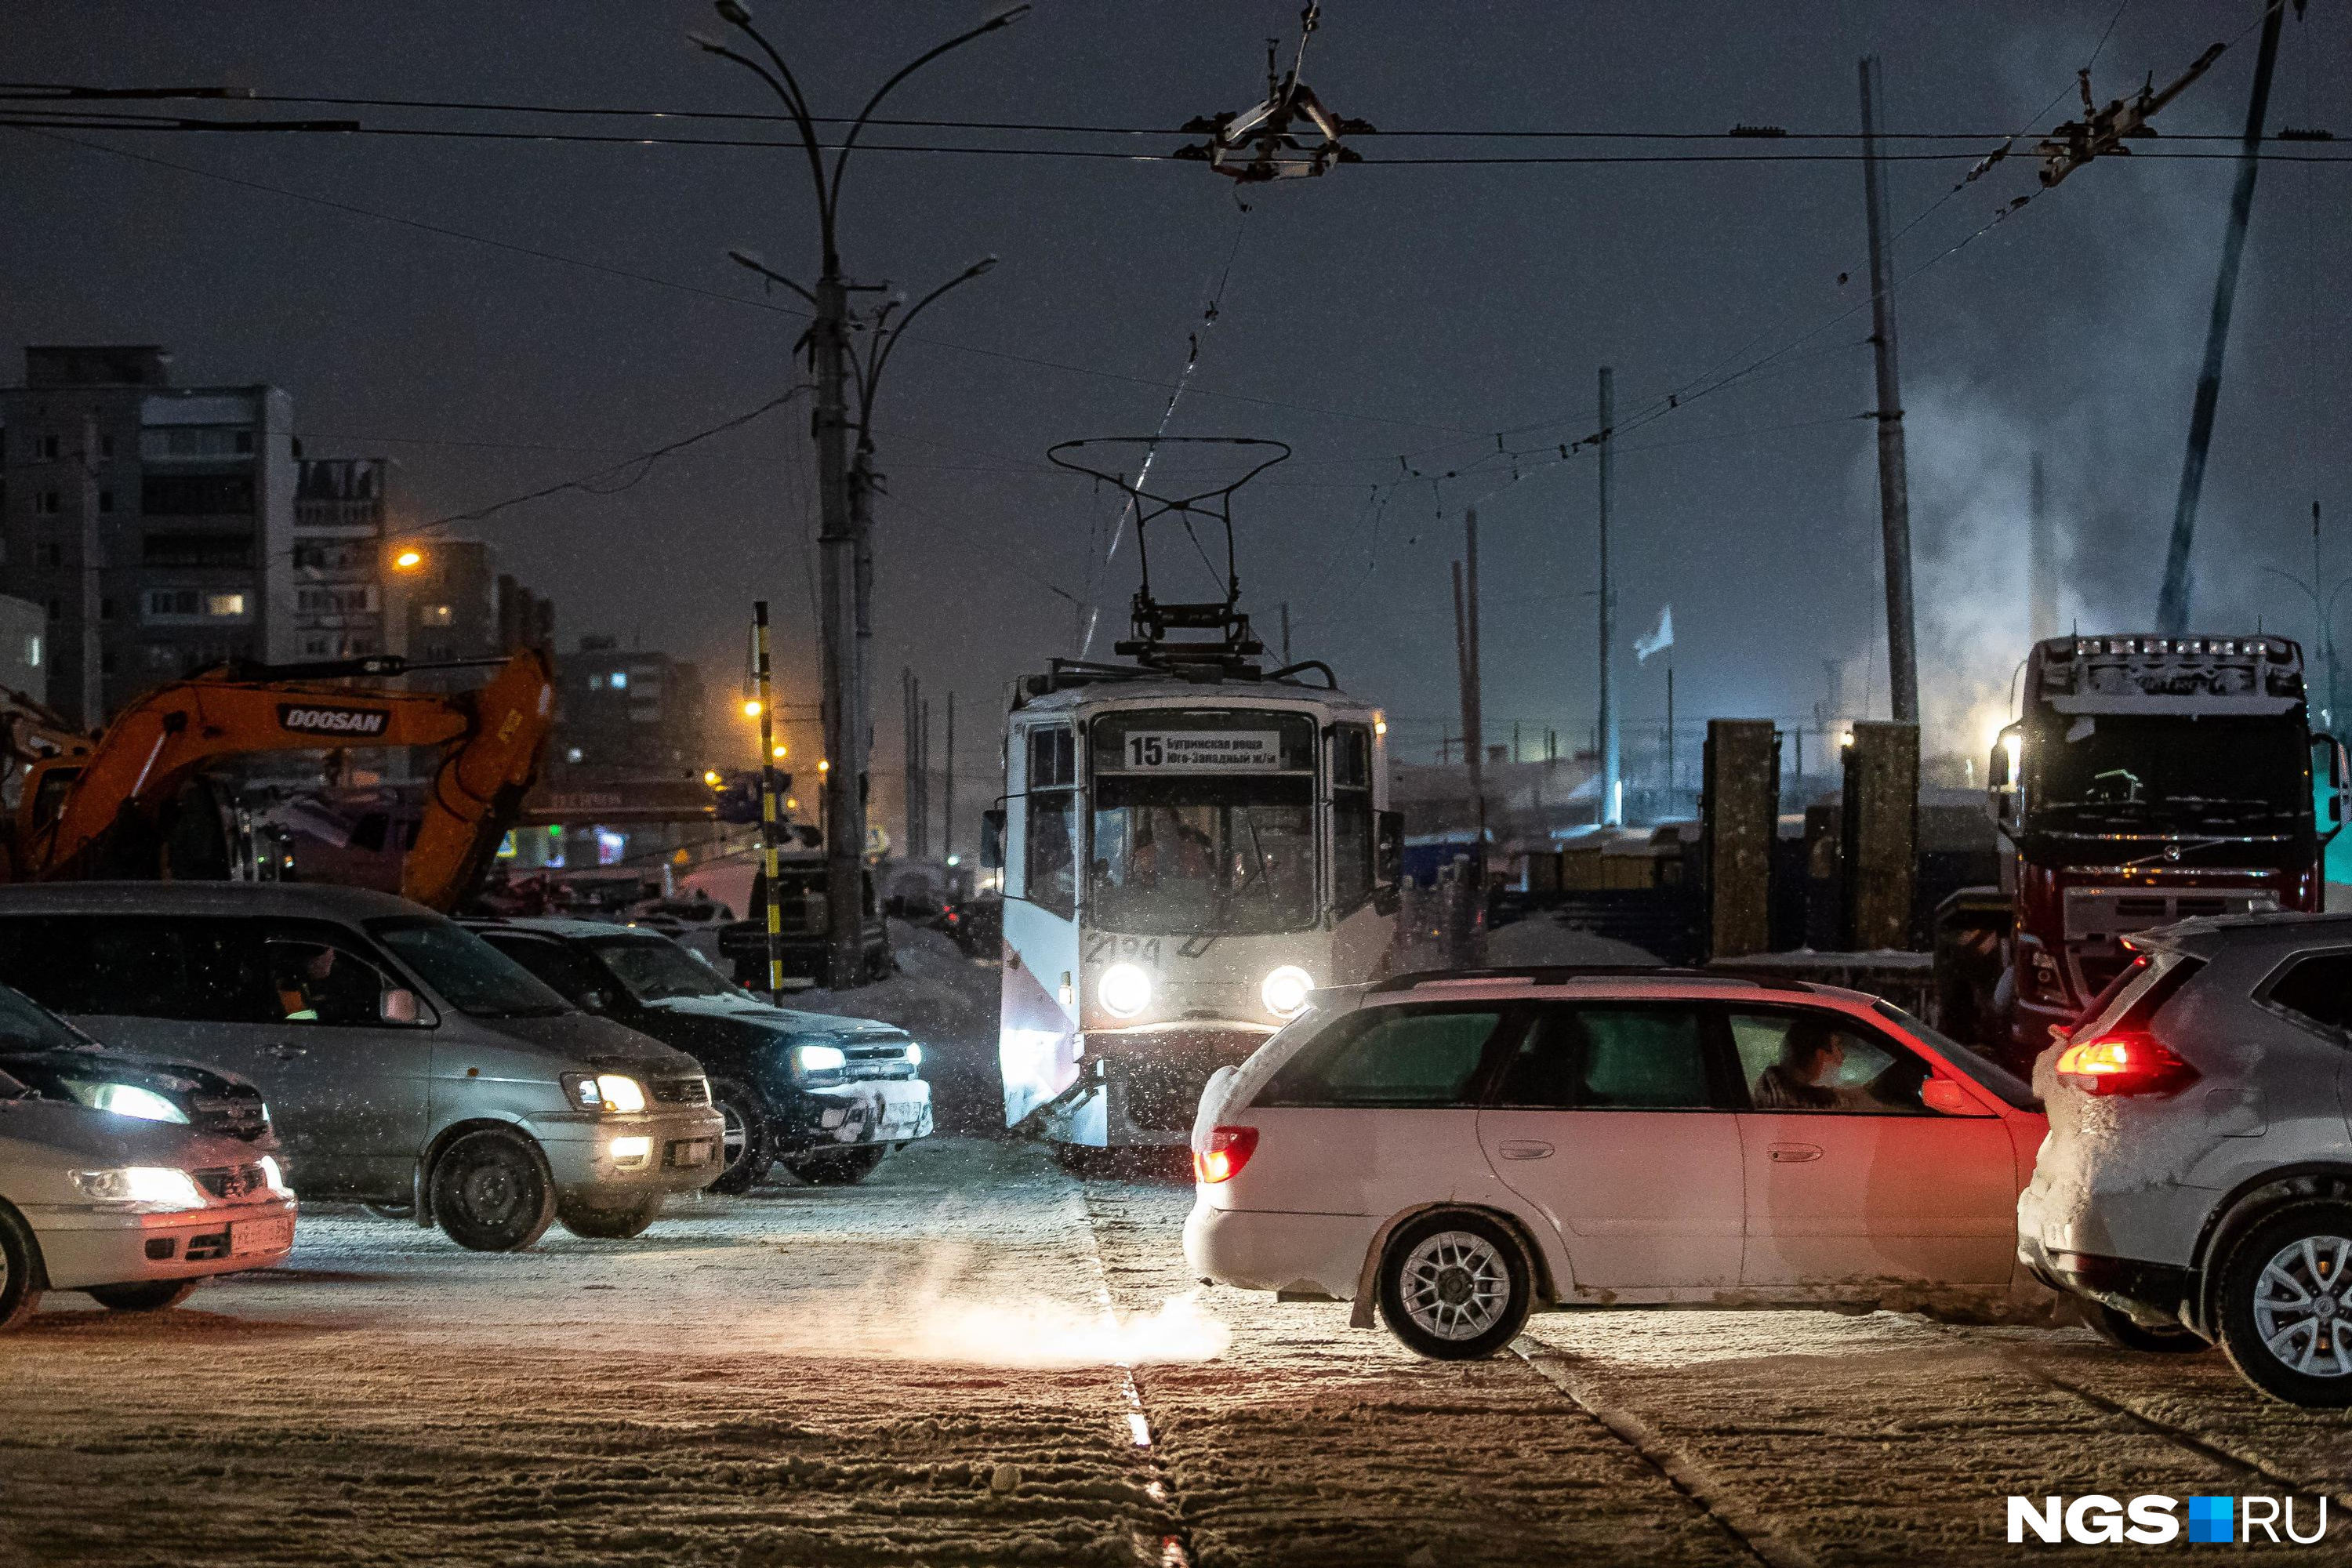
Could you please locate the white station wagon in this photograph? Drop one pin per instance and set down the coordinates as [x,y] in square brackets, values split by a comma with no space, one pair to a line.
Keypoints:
[1458,1150]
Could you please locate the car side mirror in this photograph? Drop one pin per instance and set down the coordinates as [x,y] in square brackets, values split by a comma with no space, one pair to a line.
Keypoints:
[399,1005]
[991,839]
[1945,1097]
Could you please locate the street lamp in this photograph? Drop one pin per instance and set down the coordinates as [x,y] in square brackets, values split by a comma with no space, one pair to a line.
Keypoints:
[845,489]
[409,559]
[2326,628]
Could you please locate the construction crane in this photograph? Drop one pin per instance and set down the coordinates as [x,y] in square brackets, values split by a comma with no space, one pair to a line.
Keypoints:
[106,804]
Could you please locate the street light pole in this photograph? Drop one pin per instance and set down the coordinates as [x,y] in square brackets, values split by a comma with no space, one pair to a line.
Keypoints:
[845,487]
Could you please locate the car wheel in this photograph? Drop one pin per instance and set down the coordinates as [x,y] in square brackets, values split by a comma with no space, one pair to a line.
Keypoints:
[2119,1330]
[609,1225]
[1454,1286]
[20,1291]
[491,1192]
[143,1295]
[846,1168]
[748,1146]
[2286,1292]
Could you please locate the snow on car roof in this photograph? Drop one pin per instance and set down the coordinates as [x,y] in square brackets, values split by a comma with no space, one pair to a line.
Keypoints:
[204,898]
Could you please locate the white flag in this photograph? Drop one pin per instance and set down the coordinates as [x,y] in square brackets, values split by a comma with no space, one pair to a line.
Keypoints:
[1664,638]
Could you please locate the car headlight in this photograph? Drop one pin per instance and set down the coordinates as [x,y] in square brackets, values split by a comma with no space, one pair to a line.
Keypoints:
[274,1176]
[129,1100]
[606,1091]
[914,1054]
[151,1186]
[1125,990]
[1285,990]
[810,1059]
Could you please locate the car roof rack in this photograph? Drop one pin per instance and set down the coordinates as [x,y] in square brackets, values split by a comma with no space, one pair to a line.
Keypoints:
[1560,974]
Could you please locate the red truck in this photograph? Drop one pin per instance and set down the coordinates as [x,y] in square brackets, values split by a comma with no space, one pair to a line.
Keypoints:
[2149,780]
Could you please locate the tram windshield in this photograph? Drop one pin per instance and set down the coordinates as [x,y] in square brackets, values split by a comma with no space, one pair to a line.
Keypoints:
[1204,822]
[1205,857]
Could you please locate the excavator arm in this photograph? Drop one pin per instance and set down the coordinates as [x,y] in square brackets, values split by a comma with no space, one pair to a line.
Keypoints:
[489,743]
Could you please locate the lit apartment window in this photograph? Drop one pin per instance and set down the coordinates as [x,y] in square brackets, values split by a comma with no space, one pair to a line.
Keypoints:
[435,614]
[33,651]
[620,679]
[193,605]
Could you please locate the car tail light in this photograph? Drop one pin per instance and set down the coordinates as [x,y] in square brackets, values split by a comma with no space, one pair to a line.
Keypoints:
[1229,1149]
[2130,1063]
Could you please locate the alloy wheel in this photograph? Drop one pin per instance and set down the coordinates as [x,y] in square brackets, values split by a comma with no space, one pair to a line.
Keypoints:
[734,1138]
[1456,1284]
[2301,1303]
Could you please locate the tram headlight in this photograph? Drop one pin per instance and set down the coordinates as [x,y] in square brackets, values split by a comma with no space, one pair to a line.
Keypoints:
[1285,991]
[1125,990]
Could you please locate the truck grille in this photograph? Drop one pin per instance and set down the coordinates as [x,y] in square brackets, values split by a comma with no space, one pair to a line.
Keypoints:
[682,1092]
[233,1184]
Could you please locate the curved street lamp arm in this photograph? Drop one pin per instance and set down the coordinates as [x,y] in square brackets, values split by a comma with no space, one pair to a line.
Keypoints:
[885,344]
[2334,594]
[790,97]
[918,63]
[745,258]
[2308,592]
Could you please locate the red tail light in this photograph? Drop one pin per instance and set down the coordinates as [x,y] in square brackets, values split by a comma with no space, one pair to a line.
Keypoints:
[2128,1063]
[1229,1149]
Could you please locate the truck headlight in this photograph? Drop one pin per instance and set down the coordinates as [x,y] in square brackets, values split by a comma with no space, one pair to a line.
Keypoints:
[611,1091]
[1285,990]
[1125,990]
[127,1099]
[810,1059]
[149,1186]
[914,1054]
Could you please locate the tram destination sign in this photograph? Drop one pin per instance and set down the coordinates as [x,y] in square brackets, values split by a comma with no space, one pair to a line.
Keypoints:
[1204,751]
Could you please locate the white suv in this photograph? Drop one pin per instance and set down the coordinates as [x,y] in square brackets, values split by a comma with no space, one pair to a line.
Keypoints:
[1459,1149]
[2198,1178]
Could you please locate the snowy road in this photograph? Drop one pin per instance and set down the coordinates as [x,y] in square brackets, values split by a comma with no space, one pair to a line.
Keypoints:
[921,1371]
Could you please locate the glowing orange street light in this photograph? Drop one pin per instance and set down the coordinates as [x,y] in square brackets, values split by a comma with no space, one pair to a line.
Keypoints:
[780,752]
[751,708]
[408,560]
[823,766]
[710,776]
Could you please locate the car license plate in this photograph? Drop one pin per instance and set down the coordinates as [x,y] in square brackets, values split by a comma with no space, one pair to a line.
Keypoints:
[247,1238]
[687,1153]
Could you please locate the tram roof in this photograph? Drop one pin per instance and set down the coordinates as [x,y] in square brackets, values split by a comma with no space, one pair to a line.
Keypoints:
[1153,689]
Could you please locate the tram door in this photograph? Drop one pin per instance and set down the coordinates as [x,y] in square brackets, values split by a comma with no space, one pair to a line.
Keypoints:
[1038,1029]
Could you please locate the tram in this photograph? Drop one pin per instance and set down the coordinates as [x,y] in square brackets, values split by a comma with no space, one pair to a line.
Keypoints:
[1191,845]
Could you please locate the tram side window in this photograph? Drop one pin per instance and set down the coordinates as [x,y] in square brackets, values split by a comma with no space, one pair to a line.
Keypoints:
[1352,814]
[1050,869]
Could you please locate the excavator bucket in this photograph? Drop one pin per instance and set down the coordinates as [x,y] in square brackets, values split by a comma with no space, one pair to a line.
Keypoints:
[474,797]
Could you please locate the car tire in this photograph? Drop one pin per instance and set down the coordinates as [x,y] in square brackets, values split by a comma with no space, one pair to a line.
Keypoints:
[846,1168]
[143,1295]
[492,1193]
[610,1225]
[1455,1285]
[2119,1330]
[2303,1251]
[20,1271]
[748,1146]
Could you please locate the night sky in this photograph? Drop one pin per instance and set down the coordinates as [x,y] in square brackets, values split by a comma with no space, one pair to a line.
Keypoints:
[1374,314]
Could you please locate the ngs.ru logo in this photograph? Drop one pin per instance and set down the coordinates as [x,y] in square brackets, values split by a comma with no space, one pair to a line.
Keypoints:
[2152,1521]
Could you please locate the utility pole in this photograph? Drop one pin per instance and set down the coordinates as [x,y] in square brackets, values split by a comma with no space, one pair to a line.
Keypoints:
[907,687]
[1670,733]
[2172,603]
[1894,481]
[845,533]
[2041,559]
[947,817]
[1286,631]
[1466,658]
[923,772]
[771,795]
[1612,787]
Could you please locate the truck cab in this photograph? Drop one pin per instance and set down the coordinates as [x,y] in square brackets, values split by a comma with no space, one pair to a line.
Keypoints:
[2149,780]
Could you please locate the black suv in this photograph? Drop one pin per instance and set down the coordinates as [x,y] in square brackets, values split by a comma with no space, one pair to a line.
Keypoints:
[825,1097]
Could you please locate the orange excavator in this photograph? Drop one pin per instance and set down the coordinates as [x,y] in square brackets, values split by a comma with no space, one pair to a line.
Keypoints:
[107,805]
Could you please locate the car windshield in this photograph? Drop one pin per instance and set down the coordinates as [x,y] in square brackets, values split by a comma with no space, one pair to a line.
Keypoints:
[24,1025]
[2010,1088]
[659,970]
[2222,773]
[468,973]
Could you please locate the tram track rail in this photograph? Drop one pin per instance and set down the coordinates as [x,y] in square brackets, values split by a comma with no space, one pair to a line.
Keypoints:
[1705,1492]
[1169,1542]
